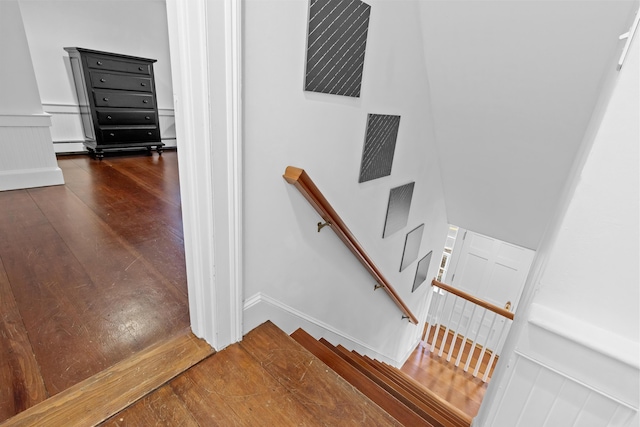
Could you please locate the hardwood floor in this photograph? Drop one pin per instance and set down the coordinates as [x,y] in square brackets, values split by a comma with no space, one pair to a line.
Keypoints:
[266,380]
[449,382]
[91,272]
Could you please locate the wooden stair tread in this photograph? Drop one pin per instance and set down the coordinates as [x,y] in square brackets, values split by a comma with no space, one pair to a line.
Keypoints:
[450,412]
[381,397]
[230,388]
[99,397]
[438,410]
[267,379]
[400,393]
[325,394]
[413,395]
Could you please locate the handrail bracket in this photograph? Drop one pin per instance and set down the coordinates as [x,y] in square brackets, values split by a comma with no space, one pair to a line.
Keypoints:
[321,225]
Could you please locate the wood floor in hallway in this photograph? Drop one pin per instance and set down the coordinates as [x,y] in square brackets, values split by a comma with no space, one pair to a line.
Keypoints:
[91,272]
[451,383]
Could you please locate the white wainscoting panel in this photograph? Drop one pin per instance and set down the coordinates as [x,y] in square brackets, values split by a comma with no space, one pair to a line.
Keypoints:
[537,396]
[567,373]
[67,132]
[260,307]
[26,156]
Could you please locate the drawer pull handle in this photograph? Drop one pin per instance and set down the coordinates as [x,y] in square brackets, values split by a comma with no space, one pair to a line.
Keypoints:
[142,84]
[140,68]
[102,80]
[105,99]
[112,134]
[108,117]
[99,62]
[149,133]
[147,118]
[145,101]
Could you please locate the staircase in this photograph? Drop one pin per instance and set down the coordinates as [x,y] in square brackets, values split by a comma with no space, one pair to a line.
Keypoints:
[266,379]
[395,392]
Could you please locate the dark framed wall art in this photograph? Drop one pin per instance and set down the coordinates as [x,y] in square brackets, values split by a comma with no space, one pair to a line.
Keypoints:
[336,44]
[422,271]
[411,246]
[398,209]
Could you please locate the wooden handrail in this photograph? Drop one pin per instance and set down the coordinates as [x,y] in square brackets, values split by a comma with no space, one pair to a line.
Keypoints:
[501,311]
[299,178]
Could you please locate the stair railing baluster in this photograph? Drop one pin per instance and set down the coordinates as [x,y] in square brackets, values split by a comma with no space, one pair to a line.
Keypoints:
[473,342]
[457,331]
[493,353]
[447,327]
[484,346]
[437,325]
[466,334]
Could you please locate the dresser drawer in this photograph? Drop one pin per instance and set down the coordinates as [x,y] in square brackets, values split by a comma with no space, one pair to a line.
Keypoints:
[126,117]
[119,81]
[116,65]
[122,136]
[123,99]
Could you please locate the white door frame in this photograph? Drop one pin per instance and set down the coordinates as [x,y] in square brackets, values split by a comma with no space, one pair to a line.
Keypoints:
[204,39]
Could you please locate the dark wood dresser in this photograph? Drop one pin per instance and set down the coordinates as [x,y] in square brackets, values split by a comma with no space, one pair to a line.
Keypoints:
[117,98]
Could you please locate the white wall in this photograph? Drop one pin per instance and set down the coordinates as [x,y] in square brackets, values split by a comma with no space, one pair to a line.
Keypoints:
[137,28]
[290,268]
[27,158]
[577,350]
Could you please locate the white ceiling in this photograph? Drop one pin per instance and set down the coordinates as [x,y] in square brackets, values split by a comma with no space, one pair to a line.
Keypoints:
[513,86]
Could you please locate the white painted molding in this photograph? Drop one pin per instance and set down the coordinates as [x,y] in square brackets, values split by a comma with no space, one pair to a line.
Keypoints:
[187,40]
[599,340]
[69,147]
[25,120]
[589,356]
[27,159]
[233,39]
[30,178]
[261,307]
[576,380]
[537,394]
[210,185]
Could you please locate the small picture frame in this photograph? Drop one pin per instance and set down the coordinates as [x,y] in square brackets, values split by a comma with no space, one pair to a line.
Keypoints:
[422,271]
[411,246]
[398,209]
[379,146]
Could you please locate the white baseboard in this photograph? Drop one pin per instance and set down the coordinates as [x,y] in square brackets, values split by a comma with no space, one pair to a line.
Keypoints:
[27,159]
[260,307]
[30,178]
[69,147]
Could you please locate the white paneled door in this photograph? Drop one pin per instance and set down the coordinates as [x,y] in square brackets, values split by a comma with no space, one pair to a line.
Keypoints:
[492,270]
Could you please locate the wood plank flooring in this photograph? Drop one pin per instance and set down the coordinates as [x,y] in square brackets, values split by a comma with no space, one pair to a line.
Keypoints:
[265,380]
[97,398]
[446,380]
[91,272]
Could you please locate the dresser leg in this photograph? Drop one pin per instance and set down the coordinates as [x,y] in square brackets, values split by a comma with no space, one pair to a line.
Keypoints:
[159,150]
[99,154]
